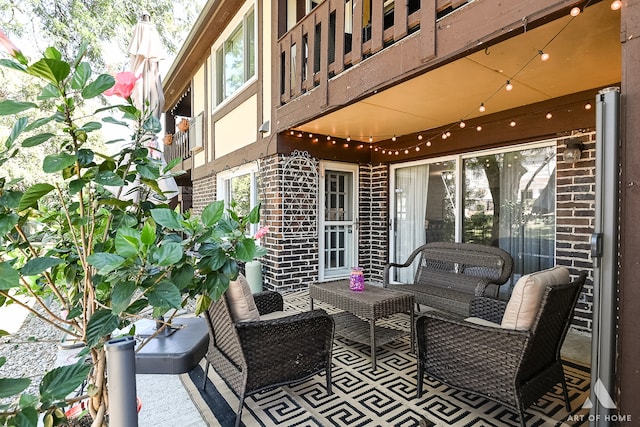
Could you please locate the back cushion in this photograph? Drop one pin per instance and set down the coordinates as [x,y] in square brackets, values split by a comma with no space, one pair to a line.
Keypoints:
[524,303]
[241,304]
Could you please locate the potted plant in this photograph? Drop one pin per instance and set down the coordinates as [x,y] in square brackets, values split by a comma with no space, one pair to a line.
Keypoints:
[100,258]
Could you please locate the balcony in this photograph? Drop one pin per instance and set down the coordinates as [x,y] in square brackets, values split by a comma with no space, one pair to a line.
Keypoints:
[326,43]
[179,148]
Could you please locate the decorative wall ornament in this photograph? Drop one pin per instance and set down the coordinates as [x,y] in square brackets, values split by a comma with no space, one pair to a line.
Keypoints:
[299,195]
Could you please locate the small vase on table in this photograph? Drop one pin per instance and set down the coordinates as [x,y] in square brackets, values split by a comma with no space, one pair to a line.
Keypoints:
[356,280]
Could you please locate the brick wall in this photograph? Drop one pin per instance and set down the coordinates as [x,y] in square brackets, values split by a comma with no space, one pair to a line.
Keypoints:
[575,220]
[204,192]
[292,261]
[373,230]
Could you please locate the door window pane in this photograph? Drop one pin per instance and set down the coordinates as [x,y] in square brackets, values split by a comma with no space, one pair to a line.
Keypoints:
[509,202]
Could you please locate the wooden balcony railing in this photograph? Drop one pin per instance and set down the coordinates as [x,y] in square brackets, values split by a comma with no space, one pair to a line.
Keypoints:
[319,48]
[179,148]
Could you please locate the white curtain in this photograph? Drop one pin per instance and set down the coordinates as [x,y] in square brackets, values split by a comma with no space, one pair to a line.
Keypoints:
[410,210]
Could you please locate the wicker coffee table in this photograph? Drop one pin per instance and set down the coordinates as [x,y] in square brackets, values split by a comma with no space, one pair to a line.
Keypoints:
[362,309]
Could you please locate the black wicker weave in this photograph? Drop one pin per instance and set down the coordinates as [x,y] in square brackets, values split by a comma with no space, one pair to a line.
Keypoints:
[449,275]
[512,367]
[255,356]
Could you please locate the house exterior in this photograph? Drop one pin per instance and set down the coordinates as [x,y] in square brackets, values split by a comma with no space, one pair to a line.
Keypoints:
[368,128]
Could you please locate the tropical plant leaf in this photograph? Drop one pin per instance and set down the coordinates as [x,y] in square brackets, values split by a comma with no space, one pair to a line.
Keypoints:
[38,265]
[127,242]
[9,277]
[212,213]
[168,254]
[101,324]
[245,249]
[148,235]
[165,295]
[121,296]
[7,222]
[81,76]
[34,193]
[28,417]
[38,123]
[32,141]
[254,215]
[57,162]
[50,91]
[167,218]
[12,386]
[9,107]
[18,127]
[105,262]
[58,383]
[108,178]
[53,70]
[98,86]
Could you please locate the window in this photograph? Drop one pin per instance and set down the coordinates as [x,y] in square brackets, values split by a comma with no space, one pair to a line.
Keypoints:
[241,187]
[235,58]
[503,198]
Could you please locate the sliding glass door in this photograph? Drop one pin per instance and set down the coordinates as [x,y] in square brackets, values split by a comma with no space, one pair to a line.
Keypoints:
[503,198]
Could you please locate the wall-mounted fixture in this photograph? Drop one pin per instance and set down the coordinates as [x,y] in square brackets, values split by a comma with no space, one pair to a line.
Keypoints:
[573,151]
[264,127]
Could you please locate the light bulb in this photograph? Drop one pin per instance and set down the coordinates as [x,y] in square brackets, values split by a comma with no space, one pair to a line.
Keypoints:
[428,143]
[328,137]
[616,5]
[482,108]
[348,139]
[406,151]
[549,115]
[513,123]
[333,142]
[310,135]
[587,106]
[417,148]
[478,128]
[384,151]
[509,86]
[360,146]
[448,134]
[462,124]
[396,153]
[394,138]
[419,137]
[444,136]
[544,56]
[346,145]
[575,11]
[371,139]
[291,132]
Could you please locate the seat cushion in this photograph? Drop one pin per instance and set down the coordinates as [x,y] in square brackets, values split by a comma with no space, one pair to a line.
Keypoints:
[524,303]
[240,299]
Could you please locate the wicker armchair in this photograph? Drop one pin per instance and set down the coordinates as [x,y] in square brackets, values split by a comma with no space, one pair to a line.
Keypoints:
[258,355]
[512,367]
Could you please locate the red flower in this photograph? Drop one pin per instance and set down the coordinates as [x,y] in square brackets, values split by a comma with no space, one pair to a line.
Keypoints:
[261,233]
[125,82]
[8,44]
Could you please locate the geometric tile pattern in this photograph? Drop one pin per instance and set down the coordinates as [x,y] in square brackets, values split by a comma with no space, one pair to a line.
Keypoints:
[384,397]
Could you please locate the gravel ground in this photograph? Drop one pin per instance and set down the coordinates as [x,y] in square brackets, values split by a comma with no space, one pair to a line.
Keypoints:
[30,352]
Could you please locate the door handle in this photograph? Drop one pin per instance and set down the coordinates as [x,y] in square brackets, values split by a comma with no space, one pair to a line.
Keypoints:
[596,245]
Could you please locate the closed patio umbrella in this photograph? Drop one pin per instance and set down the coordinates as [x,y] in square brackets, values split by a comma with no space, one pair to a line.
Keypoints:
[146,52]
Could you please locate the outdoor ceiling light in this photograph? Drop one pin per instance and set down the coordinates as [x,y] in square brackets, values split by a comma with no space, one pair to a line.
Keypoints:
[573,151]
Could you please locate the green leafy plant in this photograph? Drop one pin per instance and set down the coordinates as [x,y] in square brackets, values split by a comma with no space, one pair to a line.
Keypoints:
[91,258]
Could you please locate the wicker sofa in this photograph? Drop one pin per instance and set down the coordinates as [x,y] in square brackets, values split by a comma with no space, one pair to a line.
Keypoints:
[449,275]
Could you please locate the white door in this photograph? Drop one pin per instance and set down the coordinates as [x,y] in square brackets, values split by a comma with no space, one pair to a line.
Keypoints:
[338,220]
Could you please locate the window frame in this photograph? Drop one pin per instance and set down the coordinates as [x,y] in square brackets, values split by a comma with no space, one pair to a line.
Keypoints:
[223,184]
[250,52]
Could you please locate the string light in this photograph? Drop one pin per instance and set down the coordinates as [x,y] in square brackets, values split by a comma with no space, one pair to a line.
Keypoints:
[462,124]
[419,137]
[417,148]
[482,108]
[513,123]
[394,138]
[406,151]
[509,86]
[478,128]
[575,11]
[549,115]
[587,106]
[544,56]
[444,136]
[348,139]
[428,143]
[616,5]
[310,135]
[371,139]
[328,137]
